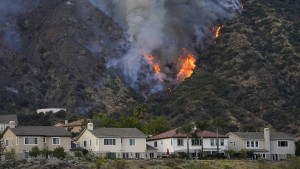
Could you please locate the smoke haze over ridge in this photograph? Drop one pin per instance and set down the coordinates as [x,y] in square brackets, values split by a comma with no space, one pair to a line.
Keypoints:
[162,28]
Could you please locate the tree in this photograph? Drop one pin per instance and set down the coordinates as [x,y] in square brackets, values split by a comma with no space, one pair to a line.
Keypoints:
[2,147]
[156,125]
[186,129]
[201,126]
[217,124]
[45,152]
[139,111]
[297,143]
[59,153]
[35,151]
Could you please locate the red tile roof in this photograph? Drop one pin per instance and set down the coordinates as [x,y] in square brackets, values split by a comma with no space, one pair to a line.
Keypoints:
[172,134]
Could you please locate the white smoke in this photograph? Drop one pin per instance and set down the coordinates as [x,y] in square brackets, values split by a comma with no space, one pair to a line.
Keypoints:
[163,28]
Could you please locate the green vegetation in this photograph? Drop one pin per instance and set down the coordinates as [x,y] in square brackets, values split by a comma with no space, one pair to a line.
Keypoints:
[35,151]
[59,153]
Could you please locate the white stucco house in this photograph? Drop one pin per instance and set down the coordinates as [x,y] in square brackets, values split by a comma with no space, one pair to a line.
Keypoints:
[266,144]
[172,142]
[114,142]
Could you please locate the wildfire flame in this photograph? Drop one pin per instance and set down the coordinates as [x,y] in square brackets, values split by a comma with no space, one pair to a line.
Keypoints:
[188,64]
[156,68]
[217,30]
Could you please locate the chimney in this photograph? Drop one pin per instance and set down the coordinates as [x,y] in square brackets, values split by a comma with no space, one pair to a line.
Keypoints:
[90,126]
[267,139]
[66,122]
[12,124]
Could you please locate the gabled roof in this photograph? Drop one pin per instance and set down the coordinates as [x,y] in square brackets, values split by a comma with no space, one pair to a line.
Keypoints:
[40,131]
[7,118]
[118,132]
[260,135]
[173,134]
[150,148]
[79,122]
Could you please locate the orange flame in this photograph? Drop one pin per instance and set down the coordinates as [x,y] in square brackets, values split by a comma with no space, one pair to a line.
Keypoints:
[217,30]
[188,64]
[156,68]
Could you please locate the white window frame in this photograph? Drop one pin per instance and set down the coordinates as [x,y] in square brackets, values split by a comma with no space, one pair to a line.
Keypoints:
[252,144]
[132,141]
[109,142]
[55,138]
[222,142]
[212,142]
[155,143]
[180,142]
[2,127]
[44,139]
[196,142]
[37,141]
[287,143]
[17,140]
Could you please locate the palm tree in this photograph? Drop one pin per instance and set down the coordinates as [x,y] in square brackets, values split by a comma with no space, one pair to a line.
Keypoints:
[201,126]
[186,129]
[217,123]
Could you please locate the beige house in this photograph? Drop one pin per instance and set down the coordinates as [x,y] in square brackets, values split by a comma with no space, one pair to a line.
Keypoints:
[5,120]
[268,145]
[74,126]
[23,138]
[113,142]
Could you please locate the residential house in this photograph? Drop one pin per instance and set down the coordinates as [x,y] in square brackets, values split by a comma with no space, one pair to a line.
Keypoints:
[74,126]
[5,120]
[172,142]
[113,142]
[267,145]
[23,138]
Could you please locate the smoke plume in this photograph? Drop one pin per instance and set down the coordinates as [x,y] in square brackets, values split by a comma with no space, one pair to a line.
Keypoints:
[163,28]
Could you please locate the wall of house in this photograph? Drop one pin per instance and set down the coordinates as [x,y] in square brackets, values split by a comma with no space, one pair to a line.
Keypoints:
[235,143]
[65,142]
[163,145]
[89,138]
[290,149]
[140,145]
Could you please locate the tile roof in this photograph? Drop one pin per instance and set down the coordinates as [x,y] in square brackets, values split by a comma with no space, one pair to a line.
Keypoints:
[76,123]
[40,131]
[173,134]
[8,117]
[260,135]
[118,132]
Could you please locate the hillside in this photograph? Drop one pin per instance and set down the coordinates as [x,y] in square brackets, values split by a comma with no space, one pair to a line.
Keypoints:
[55,54]
[60,60]
[251,76]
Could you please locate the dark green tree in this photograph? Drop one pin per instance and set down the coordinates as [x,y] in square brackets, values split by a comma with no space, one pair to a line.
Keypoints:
[59,153]
[139,111]
[156,125]
[187,130]
[35,151]
[297,144]
[2,147]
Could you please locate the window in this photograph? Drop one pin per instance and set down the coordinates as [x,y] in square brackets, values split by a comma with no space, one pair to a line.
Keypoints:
[179,142]
[6,142]
[109,141]
[90,143]
[171,142]
[222,142]
[212,142]
[196,142]
[44,140]
[251,143]
[1,126]
[282,143]
[137,155]
[30,140]
[55,141]
[17,140]
[155,143]
[84,143]
[132,142]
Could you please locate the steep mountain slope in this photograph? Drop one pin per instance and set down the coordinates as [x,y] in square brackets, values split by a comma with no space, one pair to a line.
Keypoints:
[251,76]
[61,61]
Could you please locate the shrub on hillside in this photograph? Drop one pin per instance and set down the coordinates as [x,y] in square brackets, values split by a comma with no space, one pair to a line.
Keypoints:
[59,153]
